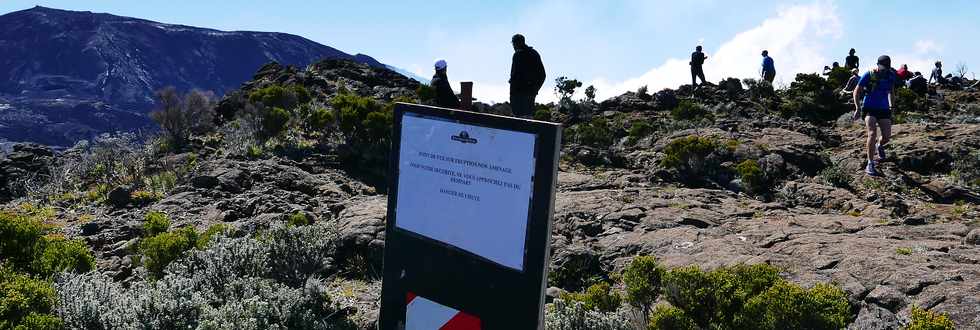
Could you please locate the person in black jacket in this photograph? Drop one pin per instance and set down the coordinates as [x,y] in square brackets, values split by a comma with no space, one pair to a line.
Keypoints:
[444,93]
[697,69]
[526,77]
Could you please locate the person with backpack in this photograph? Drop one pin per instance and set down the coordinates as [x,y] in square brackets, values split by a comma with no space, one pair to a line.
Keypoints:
[919,84]
[697,63]
[527,75]
[768,67]
[444,92]
[852,61]
[876,88]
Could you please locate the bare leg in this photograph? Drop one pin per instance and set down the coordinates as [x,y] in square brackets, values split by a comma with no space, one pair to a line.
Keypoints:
[886,131]
[871,123]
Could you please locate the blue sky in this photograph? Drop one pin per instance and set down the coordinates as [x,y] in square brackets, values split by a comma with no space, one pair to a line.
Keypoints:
[615,45]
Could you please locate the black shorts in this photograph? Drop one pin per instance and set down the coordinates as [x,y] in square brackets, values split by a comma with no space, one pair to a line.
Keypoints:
[879,114]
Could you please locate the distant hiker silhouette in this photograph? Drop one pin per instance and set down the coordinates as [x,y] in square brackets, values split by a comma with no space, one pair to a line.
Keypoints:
[937,74]
[697,63]
[768,67]
[876,86]
[444,92]
[852,61]
[527,75]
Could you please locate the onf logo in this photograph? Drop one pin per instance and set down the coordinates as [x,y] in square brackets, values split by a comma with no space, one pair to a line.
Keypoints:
[464,138]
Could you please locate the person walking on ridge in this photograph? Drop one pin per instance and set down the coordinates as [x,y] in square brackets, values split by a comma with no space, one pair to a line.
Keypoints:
[876,86]
[768,67]
[852,61]
[527,75]
[697,62]
[444,92]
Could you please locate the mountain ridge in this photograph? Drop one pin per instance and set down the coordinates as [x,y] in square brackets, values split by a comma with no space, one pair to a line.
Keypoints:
[64,65]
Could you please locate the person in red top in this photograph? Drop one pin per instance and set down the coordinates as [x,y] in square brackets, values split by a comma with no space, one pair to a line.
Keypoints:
[903,73]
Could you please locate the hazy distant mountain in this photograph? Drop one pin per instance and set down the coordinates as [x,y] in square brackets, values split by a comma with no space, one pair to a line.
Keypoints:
[66,75]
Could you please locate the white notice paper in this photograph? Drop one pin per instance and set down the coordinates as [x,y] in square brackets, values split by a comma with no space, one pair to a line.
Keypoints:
[467,186]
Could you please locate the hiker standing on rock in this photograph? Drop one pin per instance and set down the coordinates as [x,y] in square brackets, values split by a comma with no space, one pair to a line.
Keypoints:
[697,61]
[444,92]
[937,74]
[526,77]
[852,61]
[876,86]
[768,67]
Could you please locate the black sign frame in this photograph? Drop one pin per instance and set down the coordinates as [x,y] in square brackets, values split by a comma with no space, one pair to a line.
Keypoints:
[501,297]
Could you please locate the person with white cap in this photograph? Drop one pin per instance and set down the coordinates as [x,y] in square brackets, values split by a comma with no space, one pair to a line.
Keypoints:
[445,97]
[876,86]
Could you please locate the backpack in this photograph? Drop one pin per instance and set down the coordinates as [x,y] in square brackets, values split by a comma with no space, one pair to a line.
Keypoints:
[875,78]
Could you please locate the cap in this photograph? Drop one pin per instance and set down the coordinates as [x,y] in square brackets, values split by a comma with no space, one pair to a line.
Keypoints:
[441,64]
[885,61]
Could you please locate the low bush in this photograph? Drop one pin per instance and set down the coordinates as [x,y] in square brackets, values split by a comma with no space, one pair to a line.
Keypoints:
[596,133]
[812,98]
[26,302]
[426,94]
[286,97]
[155,223]
[542,114]
[788,306]
[752,176]
[160,250]
[299,219]
[59,254]
[638,130]
[598,297]
[836,176]
[690,156]
[922,319]
[687,110]
[966,167]
[643,279]
[274,121]
[573,315]
[668,317]
[266,282]
[320,119]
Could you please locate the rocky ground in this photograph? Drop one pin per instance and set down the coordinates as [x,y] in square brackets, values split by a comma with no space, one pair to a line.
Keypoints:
[908,238]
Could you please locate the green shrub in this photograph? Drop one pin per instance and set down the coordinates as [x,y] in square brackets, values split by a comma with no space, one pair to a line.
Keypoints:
[640,129]
[836,176]
[837,77]
[20,235]
[596,133]
[643,279]
[162,249]
[320,119]
[690,156]
[687,110]
[299,219]
[426,94]
[752,176]
[922,319]
[281,97]
[254,151]
[542,114]
[26,246]
[598,297]
[788,306]
[274,120]
[26,302]
[60,255]
[670,318]
[572,315]
[812,98]
[717,297]
[213,231]
[155,223]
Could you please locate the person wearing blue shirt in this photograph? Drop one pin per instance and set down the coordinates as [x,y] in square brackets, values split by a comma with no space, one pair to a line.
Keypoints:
[768,67]
[876,88]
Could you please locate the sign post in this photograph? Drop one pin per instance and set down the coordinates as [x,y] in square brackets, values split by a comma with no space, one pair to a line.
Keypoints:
[469,220]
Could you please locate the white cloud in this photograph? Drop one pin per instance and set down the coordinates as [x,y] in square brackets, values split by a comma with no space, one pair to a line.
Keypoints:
[794,38]
[927,47]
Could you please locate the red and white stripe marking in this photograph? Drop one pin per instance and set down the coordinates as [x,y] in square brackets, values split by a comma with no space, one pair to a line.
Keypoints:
[425,314]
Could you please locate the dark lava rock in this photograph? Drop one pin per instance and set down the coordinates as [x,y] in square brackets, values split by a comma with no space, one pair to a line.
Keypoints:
[120,197]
